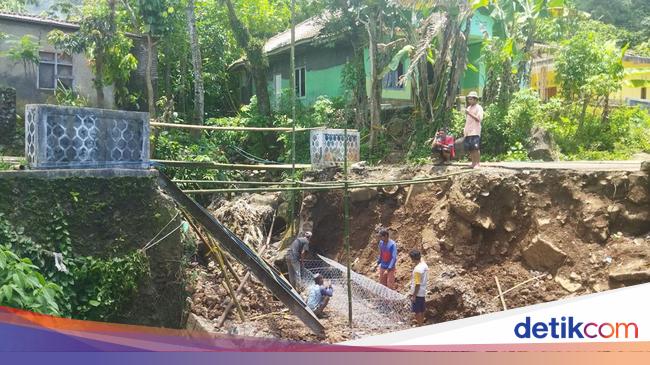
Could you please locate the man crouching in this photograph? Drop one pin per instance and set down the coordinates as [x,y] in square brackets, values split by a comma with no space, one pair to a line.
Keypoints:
[319,295]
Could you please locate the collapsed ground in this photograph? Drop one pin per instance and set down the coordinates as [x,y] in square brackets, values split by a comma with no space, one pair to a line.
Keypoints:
[573,233]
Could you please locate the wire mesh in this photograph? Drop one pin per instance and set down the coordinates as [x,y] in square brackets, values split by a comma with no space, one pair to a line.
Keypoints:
[374,306]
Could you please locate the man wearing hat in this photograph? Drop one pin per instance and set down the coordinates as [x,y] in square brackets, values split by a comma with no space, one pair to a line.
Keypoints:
[472,131]
[319,295]
[295,256]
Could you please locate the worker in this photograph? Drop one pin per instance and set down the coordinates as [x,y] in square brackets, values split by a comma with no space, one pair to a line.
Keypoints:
[418,285]
[295,259]
[319,295]
[443,146]
[387,259]
[472,130]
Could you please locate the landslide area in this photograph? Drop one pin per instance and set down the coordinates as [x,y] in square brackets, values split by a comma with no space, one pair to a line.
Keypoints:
[547,234]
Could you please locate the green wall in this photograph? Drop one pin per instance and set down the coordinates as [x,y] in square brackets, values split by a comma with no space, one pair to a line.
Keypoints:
[472,80]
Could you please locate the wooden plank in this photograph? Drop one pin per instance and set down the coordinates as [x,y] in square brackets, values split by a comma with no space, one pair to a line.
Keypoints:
[271,279]
[227,166]
[228,128]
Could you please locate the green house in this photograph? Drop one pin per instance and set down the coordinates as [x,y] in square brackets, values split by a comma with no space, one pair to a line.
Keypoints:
[319,66]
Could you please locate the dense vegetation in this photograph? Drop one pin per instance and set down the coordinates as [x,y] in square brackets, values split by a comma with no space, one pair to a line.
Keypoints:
[194,43]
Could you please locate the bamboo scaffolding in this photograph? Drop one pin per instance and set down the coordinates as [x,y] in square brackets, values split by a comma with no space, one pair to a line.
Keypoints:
[308,188]
[227,166]
[219,258]
[229,128]
[242,285]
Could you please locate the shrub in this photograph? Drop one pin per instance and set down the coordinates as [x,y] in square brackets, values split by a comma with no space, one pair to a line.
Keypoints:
[23,286]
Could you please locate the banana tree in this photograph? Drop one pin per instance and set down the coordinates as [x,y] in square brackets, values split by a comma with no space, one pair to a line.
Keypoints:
[439,41]
[516,23]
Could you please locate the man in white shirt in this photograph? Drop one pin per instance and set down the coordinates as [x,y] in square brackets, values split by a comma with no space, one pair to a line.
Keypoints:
[472,130]
[419,280]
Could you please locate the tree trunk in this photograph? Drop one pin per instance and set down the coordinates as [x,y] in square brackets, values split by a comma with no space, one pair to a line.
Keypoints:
[199,91]
[255,56]
[458,65]
[605,116]
[585,103]
[99,79]
[359,91]
[439,68]
[182,97]
[422,84]
[168,74]
[375,82]
[151,102]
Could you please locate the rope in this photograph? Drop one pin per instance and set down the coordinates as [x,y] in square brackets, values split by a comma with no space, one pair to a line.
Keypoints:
[251,157]
[160,232]
[148,246]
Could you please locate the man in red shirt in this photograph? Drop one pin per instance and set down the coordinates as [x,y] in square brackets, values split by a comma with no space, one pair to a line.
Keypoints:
[443,145]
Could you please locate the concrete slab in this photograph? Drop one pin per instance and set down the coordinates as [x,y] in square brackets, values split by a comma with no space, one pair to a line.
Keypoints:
[70,173]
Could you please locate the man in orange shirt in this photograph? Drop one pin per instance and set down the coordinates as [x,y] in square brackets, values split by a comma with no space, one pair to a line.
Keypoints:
[472,130]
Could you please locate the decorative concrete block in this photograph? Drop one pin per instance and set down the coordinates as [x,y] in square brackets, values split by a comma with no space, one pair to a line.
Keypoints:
[327,149]
[70,137]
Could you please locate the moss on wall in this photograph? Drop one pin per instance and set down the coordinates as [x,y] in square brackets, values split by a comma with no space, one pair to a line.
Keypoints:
[107,217]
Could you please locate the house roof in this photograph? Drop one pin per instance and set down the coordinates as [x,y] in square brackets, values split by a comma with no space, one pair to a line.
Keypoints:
[42,20]
[306,31]
[34,19]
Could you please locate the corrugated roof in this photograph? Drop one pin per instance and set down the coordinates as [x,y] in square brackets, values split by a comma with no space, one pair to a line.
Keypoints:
[34,19]
[305,31]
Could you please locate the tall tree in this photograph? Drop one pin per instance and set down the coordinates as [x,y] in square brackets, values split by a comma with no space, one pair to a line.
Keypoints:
[255,59]
[380,20]
[107,46]
[199,90]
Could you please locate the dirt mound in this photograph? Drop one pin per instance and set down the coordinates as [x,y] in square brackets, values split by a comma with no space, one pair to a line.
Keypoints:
[586,231]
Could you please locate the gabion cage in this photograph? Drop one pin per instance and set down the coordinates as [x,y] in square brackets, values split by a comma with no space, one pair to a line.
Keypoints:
[374,306]
[69,137]
[327,149]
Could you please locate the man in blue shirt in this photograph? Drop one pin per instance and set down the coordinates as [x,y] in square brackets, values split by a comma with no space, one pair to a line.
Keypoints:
[319,295]
[387,259]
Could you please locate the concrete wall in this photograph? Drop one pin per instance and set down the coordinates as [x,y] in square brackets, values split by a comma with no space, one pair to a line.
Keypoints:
[14,75]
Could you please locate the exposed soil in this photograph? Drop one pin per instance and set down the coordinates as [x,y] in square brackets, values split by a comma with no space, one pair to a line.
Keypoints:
[575,233]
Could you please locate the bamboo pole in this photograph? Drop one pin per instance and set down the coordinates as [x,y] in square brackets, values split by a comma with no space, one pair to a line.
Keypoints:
[293,115]
[230,128]
[522,283]
[346,222]
[227,166]
[247,277]
[233,182]
[231,270]
[227,281]
[408,196]
[503,302]
[220,261]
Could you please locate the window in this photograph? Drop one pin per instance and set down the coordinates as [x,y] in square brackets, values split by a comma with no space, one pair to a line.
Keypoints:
[54,68]
[300,81]
[392,78]
[644,93]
